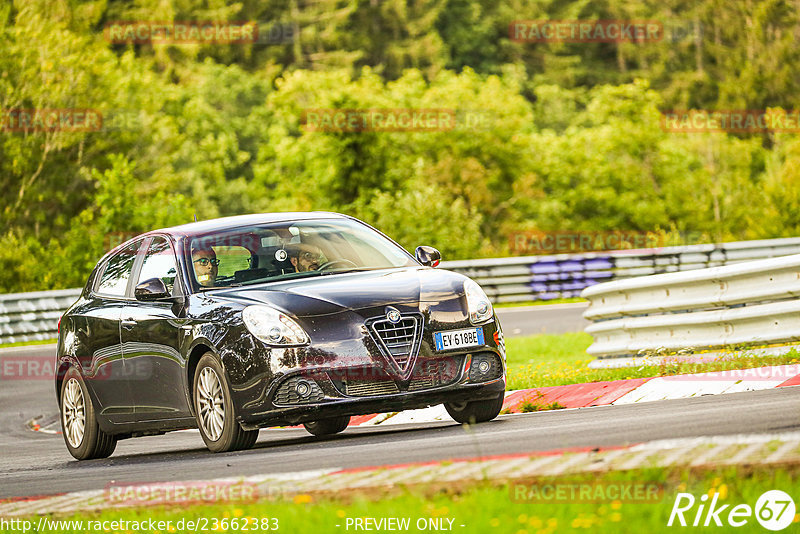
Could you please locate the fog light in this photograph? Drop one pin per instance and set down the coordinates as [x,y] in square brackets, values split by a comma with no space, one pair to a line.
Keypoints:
[303,388]
[484,366]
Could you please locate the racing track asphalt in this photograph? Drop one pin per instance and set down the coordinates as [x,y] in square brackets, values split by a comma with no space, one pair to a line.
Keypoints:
[33,463]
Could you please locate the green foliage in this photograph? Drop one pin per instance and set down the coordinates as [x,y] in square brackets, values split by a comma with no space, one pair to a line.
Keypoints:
[567,136]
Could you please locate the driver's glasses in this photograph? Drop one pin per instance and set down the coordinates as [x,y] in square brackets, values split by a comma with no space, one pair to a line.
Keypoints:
[206,261]
[310,256]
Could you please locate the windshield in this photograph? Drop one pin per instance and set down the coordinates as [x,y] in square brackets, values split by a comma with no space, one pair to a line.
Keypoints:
[290,250]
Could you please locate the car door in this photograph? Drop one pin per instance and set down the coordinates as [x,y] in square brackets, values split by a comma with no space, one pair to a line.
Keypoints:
[151,341]
[97,325]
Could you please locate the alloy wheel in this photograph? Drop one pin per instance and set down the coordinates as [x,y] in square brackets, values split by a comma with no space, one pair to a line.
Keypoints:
[211,403]
[74,412]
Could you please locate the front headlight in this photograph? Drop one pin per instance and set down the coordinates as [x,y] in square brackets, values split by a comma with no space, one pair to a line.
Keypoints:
[273,327]
[478,304]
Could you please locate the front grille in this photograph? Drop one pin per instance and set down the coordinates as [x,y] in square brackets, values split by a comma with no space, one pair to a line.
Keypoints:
[287,392]
[435,373]
[363,382]
[369,388]
[399,341]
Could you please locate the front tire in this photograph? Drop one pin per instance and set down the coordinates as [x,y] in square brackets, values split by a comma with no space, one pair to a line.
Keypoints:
[474,412]
[214,410]
[82,434]
[326,427]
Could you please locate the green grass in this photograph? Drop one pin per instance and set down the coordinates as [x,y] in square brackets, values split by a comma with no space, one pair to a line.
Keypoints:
[494,506]
[557,359]
[25,343]
[538,302]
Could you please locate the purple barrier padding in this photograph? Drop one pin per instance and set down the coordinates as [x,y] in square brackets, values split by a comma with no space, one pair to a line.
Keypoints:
[548,296]
[571,265]
[555,277]
[545,267]
[576,285]
[564,276]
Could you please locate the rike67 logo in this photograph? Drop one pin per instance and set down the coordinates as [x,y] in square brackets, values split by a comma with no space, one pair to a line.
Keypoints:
[774,510]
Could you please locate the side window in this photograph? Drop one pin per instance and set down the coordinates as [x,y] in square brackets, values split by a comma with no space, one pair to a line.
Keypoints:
[118,270]
[159,263]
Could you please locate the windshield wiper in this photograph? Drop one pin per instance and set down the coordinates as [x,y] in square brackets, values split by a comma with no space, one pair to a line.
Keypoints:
[343,271]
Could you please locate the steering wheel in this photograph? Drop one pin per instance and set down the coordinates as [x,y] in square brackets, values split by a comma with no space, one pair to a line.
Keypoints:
[328,264]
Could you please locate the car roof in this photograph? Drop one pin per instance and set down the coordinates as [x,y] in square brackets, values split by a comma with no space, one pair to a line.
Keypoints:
[203,227]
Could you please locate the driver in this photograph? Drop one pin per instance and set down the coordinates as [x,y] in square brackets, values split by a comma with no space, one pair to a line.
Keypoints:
[205,266]
[305,257]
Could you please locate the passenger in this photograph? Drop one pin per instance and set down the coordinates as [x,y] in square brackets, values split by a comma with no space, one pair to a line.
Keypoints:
[205,266]
[305,257]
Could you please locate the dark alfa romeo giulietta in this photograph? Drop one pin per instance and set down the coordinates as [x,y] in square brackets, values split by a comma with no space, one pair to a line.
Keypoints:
[235,324]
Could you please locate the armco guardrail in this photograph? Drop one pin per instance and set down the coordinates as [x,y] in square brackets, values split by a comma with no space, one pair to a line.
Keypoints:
[566,275]
[33,316]
[752,303]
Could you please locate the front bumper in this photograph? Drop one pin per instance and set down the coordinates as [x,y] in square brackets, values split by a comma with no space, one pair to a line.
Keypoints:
[355,378]
[458,392]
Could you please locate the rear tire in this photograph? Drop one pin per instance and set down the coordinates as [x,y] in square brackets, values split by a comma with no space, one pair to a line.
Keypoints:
[214,410]
[474,412]
[326,427]
[82,434]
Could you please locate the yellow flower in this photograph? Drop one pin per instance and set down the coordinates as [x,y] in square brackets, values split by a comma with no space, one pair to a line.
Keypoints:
[535,522]
[494,522]
[522,518]
[340,513]
[616,505]
[238,512]
[302,499]
[552,522]
[723,491]
[616,517]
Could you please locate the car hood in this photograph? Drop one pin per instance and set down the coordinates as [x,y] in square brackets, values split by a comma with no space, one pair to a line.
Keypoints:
[406,288]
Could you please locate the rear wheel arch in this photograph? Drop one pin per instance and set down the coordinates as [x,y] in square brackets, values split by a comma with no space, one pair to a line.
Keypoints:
[63,367]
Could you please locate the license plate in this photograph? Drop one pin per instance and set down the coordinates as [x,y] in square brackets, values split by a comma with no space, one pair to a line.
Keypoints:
[456,339]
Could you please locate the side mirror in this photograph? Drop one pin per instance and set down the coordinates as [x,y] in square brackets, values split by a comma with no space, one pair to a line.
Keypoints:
[428,256]
[151,289]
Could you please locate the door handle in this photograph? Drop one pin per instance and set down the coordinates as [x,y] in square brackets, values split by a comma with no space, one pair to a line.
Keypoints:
[128,323]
